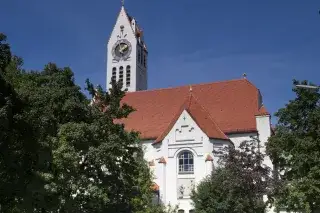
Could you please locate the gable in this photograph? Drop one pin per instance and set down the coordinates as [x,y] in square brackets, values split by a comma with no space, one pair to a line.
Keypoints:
[232,104]
[186,129]
[122,20]
[192,114]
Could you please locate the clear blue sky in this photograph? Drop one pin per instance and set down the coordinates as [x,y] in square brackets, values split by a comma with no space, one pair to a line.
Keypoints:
[189,41]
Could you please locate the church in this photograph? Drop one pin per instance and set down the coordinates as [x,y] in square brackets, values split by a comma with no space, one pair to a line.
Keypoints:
[181,127]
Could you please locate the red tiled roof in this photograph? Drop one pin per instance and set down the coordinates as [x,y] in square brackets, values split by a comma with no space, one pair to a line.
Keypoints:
[263,111]
[232,104]
[199,115]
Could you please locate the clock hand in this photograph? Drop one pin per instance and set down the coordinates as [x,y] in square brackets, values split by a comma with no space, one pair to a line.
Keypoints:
[124,47]
[121,49]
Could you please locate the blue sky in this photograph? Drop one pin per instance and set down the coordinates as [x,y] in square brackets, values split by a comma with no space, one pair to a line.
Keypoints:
[189,41]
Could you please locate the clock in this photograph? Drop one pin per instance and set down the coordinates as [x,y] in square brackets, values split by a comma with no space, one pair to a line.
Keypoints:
[121,50]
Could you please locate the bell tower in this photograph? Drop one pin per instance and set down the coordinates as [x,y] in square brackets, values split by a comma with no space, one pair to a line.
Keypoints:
[127,54]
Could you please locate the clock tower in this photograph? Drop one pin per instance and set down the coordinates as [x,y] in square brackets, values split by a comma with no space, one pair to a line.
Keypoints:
[127,54]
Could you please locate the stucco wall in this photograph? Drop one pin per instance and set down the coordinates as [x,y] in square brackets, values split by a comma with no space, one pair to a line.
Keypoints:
[138,74]
[186,135]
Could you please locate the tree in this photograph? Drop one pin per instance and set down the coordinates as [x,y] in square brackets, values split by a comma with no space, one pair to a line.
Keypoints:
[77,156]
[295,150]
[86,161]
[5,52]
[160,208]
[17,144]
[237,185]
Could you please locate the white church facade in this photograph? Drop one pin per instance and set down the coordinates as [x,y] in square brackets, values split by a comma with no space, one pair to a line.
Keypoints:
[181,127]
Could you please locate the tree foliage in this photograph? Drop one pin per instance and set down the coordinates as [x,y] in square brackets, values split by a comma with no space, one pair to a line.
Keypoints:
[238,184]
[66,154]
[17,145]
[295,149]
[5,52]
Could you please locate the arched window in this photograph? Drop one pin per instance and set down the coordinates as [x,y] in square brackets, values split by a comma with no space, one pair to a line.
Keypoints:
[128,70]
[180,211]
[114,74]
[192,211]
[186,164]
[121,74]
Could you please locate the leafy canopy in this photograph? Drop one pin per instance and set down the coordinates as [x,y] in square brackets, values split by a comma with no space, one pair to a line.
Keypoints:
[59,153]
[17,144]
[295,150]
[238,184]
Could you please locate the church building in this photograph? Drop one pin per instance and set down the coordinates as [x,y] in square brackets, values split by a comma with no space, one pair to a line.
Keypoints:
[182,126]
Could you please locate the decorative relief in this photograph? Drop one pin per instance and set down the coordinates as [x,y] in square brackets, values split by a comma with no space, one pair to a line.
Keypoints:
[184,187]
[185,133]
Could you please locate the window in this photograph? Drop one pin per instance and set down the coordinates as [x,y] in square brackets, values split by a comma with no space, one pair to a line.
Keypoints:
[139,56]
[144,60]
[192,211]
[180,211]
[186,162]
[114,74]
[121,74]
[128,69]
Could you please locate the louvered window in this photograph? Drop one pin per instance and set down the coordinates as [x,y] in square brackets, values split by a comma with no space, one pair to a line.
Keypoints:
[121,74]
[114,74]
[128,77]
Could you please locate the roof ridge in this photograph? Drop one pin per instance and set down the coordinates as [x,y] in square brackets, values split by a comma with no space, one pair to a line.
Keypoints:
[200,84]
[210,117]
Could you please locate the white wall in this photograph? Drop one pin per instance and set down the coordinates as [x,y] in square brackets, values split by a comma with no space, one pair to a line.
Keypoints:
[238,138]
[122,20]
[264,131]
[138,73]
[186,135]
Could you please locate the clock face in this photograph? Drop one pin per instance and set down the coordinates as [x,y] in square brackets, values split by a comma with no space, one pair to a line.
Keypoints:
[121,50]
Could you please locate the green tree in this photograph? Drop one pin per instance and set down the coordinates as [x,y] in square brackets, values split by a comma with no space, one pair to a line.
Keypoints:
[295,150]
[17,144]
[86,161]
[76,158]
[5,52]
[238,184]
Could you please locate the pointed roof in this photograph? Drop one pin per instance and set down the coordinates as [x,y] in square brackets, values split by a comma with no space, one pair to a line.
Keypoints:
[151,163]
[199,115]
[262,111]
[232,105]
[209,158]
[155,187]
[136,28]
[163,160]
